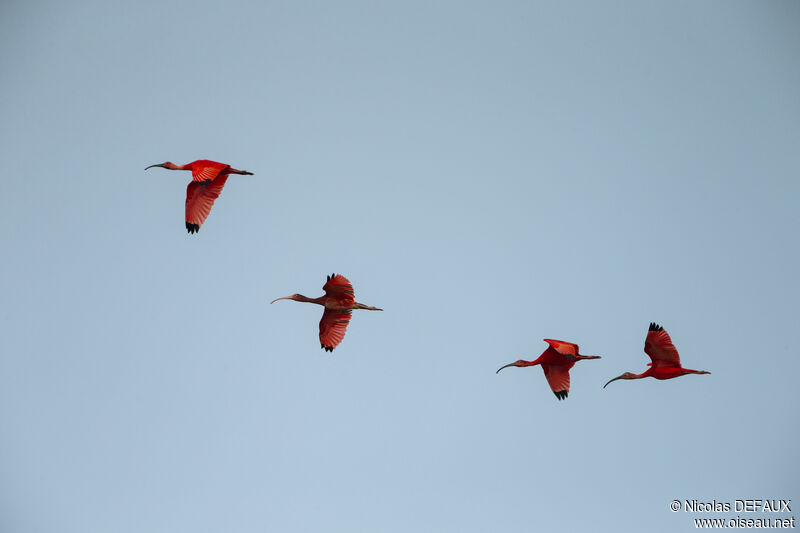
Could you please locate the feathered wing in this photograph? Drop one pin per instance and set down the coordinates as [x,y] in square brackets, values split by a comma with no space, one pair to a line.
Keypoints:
[332,328]
[339,288]
[658,345]
[558,378]
[564,348]
[205,170]
[200,198]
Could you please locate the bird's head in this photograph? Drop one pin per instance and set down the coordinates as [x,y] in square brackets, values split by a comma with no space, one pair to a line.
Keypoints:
[519,363]
[626,375]
[169,165]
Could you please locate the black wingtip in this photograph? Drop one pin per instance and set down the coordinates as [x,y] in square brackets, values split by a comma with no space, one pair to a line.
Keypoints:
[561,394]
[329,278]
[655,327]
[192,228]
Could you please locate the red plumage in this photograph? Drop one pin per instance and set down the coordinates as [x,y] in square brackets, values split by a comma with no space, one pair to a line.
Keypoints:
[665,361]
[339,302]
[556,361]
[208,179]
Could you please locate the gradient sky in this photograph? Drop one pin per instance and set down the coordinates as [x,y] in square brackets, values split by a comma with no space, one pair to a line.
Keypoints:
[489,173]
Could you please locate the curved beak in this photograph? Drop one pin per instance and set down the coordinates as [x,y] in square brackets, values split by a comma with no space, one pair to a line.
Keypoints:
[281,298]
[615,379]
[506,366]
[159,165]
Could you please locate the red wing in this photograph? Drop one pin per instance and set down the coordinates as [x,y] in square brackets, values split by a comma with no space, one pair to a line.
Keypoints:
[205,170]
[564,348]
[558,378]
[659,347]
[338,287]
[199,199]
[332,328]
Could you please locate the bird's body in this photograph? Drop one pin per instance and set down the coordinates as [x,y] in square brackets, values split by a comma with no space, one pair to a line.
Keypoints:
[556,361]
[665,363]
[208,179]
[339,301]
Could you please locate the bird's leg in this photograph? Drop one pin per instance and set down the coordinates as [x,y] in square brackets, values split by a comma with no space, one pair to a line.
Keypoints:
[367,307]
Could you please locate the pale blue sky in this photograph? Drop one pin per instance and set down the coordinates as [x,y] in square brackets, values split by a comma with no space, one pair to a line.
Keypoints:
[489,173]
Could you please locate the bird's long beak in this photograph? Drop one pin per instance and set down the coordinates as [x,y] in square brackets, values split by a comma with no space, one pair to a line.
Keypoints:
[158,165]
[615,379]
[506,366]
[281,298]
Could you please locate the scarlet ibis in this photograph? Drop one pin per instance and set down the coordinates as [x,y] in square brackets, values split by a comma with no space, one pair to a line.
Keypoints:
[665,361]
[339,301]
[556,361]
[208,179]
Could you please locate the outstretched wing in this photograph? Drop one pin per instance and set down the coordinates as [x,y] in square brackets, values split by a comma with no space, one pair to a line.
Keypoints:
[205,170]
[332,328]
[558,378]
[339,288]
[564,348]
[200,197]
[659,347]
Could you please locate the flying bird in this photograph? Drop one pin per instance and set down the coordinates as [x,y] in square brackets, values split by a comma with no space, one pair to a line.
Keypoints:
[665,361]
[208,179]
[556,361]
[339,301]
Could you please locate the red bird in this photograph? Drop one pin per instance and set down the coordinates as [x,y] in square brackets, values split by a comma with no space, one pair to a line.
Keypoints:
[208,179]
[666,363]
[556,361]
[339,301]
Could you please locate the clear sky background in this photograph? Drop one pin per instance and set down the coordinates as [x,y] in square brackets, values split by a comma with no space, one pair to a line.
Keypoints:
[489,173]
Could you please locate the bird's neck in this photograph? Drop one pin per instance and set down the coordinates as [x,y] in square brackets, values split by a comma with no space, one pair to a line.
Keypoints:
[651,370]
[301,298]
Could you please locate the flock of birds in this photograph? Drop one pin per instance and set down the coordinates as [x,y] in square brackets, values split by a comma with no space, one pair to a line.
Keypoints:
[208,179]
[560,356]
